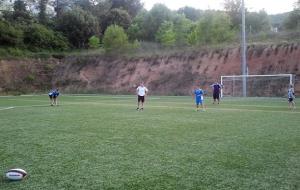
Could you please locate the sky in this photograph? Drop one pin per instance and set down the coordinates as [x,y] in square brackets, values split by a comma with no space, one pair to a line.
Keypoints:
[270,6]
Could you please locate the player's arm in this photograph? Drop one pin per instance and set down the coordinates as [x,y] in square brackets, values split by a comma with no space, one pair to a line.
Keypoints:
[146,91]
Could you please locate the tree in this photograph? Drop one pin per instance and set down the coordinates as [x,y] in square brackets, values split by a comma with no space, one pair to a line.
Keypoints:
[166,35]
[86,5]
[293,20]
[257,22]
[190,13]
[136,30]
[131,6]
[115,38]
[233,9]
[119,17]
[43,19]
[78,25]
[182,28]
[154,18]
[37,36]
[20,13]
[94,42]
[10,35]
[61,6]
[213,28]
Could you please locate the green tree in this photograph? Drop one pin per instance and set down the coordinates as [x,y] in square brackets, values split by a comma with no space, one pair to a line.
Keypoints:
[118,17]
[166,35]
[233,9]
[131,6]
[20,13]
[154,18]
[94,42]
[78,25]
[182,28]
[190,13]
[10,35]
[257,22]
[115,39]
[43,19]
[37,37]
[213,28]
[293,20]
[136,31]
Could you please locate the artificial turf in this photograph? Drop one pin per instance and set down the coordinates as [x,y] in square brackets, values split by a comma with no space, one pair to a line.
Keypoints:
[102,142]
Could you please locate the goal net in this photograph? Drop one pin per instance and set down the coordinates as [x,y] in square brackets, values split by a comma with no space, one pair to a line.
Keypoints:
[257,85]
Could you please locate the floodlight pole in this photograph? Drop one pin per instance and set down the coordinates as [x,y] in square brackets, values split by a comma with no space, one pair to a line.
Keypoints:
[244,51]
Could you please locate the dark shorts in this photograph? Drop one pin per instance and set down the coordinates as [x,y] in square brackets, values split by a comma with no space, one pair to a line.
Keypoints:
[216,96]
[52,96]
[291,99]
[141,99]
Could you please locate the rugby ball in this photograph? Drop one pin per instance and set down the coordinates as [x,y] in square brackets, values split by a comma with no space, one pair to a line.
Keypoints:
[16,174]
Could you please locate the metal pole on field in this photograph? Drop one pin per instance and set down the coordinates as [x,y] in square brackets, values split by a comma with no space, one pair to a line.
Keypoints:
[244,51]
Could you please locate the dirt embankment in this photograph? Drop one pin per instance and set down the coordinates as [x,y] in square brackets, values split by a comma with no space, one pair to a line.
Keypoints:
[169,75]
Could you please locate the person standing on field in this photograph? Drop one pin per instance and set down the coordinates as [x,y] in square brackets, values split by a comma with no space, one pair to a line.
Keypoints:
[291,97]
[198,96]
[216,92]
[53,95]
[141,92]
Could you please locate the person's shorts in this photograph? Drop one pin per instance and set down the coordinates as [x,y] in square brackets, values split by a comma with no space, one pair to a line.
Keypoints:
[199,100]
[141,99]
[52,96]
[216,96]
[291,99]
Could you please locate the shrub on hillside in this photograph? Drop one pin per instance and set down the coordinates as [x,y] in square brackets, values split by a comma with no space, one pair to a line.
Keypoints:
[115,38]
[38,37]
[94,42]
[10,35]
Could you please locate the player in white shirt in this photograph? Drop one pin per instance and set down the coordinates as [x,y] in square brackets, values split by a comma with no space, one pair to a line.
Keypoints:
[141,92]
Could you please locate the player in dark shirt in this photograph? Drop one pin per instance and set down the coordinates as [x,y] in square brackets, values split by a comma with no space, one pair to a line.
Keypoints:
[53,95]
[216,92]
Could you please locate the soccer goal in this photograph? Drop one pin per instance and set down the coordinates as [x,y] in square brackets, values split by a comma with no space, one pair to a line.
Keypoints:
[257,85]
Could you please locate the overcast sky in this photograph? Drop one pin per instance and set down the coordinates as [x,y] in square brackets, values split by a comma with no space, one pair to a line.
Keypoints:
[271,6]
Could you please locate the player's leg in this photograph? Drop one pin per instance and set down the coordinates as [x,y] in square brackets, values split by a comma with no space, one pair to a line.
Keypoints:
[202,104]
[51,100]
[138,103]
[142,100]
[55,100]
[290,103]
[293,104]
[197,103]
[214,97]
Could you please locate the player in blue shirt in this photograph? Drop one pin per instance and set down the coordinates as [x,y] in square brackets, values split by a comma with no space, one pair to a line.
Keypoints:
[198,96]
[291,97]
[53,95]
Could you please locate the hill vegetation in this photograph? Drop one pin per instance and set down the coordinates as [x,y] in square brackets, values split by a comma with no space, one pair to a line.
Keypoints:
[38,27]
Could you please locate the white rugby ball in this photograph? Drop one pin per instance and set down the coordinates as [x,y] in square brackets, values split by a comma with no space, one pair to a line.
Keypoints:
[16,174]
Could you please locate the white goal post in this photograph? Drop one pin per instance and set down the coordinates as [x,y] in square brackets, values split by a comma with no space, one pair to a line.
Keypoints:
[257,85]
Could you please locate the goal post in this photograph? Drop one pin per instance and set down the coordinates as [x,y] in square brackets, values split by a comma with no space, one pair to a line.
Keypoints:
[273,85]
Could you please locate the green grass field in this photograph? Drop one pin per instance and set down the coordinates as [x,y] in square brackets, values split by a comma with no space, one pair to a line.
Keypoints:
[102,142]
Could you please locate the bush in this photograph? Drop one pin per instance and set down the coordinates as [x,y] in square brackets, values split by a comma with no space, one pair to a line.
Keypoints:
[38,37]
[10,35]
[115,38]
[94,42]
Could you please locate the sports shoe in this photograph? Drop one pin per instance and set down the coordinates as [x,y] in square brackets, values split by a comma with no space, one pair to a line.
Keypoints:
[137,109]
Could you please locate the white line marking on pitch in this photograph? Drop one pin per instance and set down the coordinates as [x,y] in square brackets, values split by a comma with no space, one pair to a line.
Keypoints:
[8,108]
